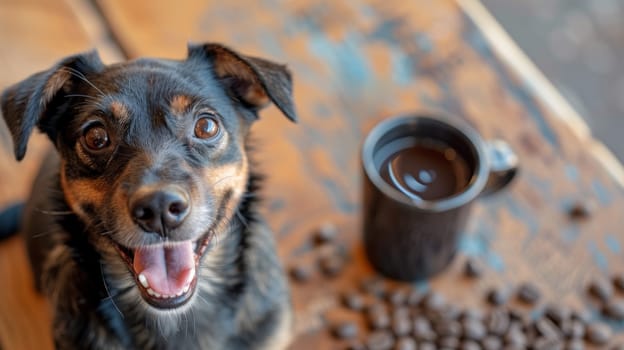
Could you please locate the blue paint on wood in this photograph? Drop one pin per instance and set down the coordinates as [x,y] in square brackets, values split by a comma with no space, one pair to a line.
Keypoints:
[613,243]
[402,67]
[602,193]
[599,258]
[338,196]
[571,172]
[495,261]
[344,58]
[322,111]
[521,213]
[570,233]
[424,42]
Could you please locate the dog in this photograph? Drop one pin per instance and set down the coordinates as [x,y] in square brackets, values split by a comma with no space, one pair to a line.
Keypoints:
[142,227]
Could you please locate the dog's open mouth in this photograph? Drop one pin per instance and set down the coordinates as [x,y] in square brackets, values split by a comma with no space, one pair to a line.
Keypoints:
[166,274]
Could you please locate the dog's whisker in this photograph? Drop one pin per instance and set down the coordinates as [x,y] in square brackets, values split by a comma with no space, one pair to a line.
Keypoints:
[108,291]
[55,213]
[81,76]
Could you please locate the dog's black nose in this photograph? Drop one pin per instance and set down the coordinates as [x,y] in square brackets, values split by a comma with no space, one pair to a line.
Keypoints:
[160,211]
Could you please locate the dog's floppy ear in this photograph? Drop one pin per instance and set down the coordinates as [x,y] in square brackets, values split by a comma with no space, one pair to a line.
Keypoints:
[33,101]
[254,81]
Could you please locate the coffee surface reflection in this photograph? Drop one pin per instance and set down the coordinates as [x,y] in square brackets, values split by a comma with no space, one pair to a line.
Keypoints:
[424,169]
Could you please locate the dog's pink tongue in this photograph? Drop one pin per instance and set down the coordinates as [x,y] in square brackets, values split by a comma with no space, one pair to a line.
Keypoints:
[168,269]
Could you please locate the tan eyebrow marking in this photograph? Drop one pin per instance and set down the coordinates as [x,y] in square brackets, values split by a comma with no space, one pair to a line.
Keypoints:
[120,111]
[179,104]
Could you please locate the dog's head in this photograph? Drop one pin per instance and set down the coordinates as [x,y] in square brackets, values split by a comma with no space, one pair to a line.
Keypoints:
[152,151]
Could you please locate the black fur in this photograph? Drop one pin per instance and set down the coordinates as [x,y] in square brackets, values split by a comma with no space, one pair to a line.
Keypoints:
[81,232]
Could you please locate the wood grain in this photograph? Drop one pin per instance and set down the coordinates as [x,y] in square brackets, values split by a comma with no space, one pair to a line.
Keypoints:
[356,63]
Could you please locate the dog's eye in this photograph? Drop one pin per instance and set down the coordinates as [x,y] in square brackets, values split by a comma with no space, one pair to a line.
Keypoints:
[96,138]
[206,127]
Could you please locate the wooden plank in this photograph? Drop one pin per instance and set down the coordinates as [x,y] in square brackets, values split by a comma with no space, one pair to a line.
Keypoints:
[34,34]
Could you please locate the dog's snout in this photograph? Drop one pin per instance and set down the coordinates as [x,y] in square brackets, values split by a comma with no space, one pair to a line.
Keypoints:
[160,210]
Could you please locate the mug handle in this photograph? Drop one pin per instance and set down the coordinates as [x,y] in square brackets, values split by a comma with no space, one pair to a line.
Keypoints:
[503,163]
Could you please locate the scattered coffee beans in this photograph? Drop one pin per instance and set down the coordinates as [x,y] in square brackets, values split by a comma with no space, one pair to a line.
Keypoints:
[497,296]
[332,265]
[380,340]
[326,233]
[405,343]
[301,273]
[598,333]
[581,210]
[473,268]
[345,330]
[353,301]
[618,282]
[614,309]
[601,289]
[528,293]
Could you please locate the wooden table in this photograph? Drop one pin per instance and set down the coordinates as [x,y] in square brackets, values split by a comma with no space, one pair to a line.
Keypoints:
[355,63]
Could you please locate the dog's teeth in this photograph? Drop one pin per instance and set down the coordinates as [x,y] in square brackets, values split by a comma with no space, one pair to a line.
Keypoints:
[143,280]
[186,289]
[151,292]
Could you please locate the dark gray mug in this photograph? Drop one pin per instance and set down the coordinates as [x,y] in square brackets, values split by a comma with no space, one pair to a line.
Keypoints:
[409,238]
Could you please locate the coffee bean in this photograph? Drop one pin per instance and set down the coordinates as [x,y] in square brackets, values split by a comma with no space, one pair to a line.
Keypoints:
[575,329]
[469,345]
[498,321]
[447,313]
[496,296]
[405,343]
[515,337]
[547,328]
[601,289]
[473,329]
[492,342]
[581,209]
[433,301]
[528,293]
[543,343]
[448,342]
[332,265]
[557,313]
[402,311]
[353,301]
[401,325]
[584,316]
[379,320]
[448,328]
[618,282]
[326,233]
[397,297]
[427,346]
[415,297]
[301,272]
[575,344]
[380,340]
[598,333]
[473,269]
[345,330]
[356,345]
[614,309]
[374,286]
[472,314]
[422,329]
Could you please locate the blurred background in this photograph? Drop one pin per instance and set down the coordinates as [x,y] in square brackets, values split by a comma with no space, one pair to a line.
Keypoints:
[579,46]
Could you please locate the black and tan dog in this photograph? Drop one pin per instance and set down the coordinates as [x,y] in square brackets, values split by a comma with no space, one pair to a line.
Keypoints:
[142,227]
